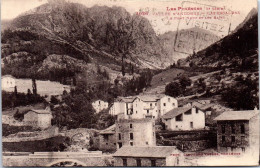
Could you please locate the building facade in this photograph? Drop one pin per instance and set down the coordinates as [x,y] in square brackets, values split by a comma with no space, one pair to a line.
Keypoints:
[8,81]
[184,118]
[135,132]
[238,131]
[107,139]
[38,118]
[148,156]
[122,105]
[99,105]
[144,106]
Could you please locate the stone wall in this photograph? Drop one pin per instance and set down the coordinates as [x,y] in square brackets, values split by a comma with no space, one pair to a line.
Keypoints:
[47,158]
[107,142]
[144,161]
[228,134]
[197,145]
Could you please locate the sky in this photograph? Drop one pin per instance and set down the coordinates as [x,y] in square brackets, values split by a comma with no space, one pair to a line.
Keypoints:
[12,8]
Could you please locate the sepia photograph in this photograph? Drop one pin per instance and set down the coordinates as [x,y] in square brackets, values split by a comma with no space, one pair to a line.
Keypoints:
[129,83]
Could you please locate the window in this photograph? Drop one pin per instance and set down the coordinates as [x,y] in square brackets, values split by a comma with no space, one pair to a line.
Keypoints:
[125,162]
[99,102]
[138,163]
[191,124]
[147,111]
[151,104]
[119,136]
[164,104]
[131,136]
[233,139]
[169,99]
[173,104]
[147,143]
[153,163]
[243,139]
[131,126]
[223,139]
[155,104]
[232,128]
[131,143]
[242,128]
[178,118]
[197,110]
[106,137]
[223,129]
[136,112]
[120,144]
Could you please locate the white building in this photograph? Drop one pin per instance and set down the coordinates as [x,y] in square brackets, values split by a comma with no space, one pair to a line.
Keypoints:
[99,105]
[8,81]
[144,106]
[184,118]
[38,118]
[122,105]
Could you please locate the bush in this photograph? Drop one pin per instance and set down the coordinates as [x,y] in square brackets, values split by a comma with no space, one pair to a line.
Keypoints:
[173,89]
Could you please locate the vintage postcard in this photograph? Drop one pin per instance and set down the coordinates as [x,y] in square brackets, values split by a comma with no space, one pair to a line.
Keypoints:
[129,83]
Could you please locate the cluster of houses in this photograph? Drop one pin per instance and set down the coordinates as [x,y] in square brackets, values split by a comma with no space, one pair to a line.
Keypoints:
[133,135]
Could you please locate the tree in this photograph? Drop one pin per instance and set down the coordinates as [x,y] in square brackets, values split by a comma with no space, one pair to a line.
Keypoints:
[242,96]
[185,81]
[34,87]
[123,67]
[173,89]
[54,100]
[15,91]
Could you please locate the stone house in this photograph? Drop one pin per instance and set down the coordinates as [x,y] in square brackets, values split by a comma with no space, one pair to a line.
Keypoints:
[38,118]
[238,131]
[8,81]
[184,118]
[107,139]
[99,105]
[135,132]
[148,156]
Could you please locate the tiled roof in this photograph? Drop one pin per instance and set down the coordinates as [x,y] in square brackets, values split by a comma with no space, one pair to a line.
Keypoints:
[237,115]
[155,151]
[126,99]
[175,112]
[41,111]
[202,107]
[109,130]
[148,98]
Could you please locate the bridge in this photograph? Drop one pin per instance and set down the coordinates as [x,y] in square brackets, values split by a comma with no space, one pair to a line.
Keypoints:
[89,158]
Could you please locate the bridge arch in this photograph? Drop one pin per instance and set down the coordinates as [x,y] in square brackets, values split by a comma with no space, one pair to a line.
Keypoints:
[66,163]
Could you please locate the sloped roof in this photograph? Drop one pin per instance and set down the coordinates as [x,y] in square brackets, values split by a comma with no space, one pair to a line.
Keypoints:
[41,111]
[126,99]
[237,115]
[175,112]
[10,76]
[202,107]
[155,151]
[148,98]
[109,130]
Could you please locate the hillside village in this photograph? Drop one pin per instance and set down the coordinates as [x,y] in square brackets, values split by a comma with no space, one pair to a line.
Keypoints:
[81,90]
